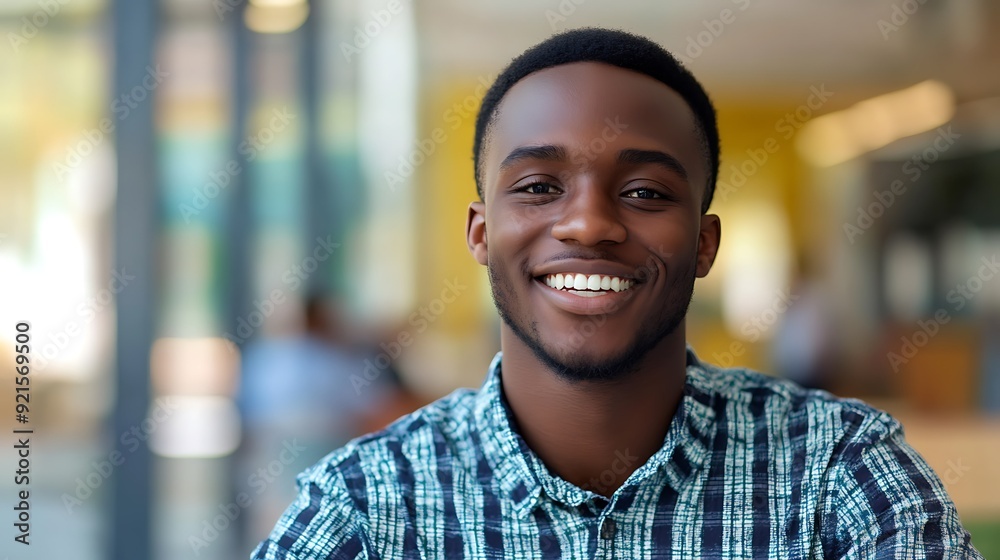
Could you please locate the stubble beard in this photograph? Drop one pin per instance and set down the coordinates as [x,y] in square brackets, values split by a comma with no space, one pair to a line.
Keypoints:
[576,367]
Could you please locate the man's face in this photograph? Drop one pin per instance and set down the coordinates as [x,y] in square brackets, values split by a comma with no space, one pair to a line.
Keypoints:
[591,228]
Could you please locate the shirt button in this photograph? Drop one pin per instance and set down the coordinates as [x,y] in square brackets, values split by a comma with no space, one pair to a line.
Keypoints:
[608,529]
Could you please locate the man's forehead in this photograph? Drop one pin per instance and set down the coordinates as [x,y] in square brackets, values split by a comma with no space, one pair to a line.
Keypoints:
[587,103]
[591,93]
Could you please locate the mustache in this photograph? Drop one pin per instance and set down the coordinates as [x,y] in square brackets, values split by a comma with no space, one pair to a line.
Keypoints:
[581,254]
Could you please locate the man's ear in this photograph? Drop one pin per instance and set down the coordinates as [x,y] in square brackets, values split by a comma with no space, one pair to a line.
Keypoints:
[708,243]
[475,231]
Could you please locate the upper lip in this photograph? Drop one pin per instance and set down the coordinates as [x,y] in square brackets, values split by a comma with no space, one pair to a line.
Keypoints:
[586,266]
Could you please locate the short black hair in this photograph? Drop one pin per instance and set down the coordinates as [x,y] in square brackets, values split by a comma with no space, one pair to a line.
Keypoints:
[618,48]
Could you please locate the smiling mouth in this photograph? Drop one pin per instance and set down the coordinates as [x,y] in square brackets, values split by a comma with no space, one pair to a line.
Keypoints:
[587,285]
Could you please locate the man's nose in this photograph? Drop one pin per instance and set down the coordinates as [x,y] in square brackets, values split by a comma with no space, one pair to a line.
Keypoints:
[590,218]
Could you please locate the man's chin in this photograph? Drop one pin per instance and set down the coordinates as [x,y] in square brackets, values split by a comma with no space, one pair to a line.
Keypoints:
[589,361]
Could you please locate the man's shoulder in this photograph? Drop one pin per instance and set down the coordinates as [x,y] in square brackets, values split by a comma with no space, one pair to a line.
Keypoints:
[343,494]
[749,393]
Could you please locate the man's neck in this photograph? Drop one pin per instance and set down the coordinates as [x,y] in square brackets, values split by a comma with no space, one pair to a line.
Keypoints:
[593,434]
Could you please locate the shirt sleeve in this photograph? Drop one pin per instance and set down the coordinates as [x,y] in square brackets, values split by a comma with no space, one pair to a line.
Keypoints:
[886,503]
[319,524]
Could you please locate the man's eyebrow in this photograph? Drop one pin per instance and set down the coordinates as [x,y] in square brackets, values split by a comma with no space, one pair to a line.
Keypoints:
[546,153]
[653,156]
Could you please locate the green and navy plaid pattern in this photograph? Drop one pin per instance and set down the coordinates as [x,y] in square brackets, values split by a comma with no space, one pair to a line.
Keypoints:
[751,467]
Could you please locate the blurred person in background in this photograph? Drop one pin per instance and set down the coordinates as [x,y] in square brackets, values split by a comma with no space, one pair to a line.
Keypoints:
[598,431]
[803,347]
[382,369]
[298,392]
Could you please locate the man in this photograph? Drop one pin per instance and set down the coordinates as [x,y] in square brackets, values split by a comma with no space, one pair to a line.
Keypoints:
[598,433]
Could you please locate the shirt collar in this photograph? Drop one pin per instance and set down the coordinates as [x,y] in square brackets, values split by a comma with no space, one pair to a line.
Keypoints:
[524,478]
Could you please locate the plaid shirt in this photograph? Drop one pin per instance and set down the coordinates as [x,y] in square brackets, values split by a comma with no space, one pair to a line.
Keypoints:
[751,467]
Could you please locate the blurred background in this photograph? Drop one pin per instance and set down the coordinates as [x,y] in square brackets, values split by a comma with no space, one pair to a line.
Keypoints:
[236,230]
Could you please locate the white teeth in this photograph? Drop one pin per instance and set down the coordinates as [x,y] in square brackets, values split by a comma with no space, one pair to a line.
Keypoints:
[588,285]
[585,293]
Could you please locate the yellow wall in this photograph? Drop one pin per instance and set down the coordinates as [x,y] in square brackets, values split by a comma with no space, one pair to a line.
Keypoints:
[444,189]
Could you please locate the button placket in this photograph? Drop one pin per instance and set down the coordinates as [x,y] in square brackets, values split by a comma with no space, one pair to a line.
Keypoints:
[608,529]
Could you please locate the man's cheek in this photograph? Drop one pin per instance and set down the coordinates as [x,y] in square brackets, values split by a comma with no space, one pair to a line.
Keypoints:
[521,220]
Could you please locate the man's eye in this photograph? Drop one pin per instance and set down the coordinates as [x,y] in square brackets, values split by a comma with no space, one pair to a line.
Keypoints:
[643,193]
[539,188]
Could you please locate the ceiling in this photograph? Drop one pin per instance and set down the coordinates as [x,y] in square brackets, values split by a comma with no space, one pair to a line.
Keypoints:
[765,49]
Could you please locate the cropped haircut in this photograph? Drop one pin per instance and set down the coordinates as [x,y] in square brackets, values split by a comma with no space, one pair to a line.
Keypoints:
[617,48]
